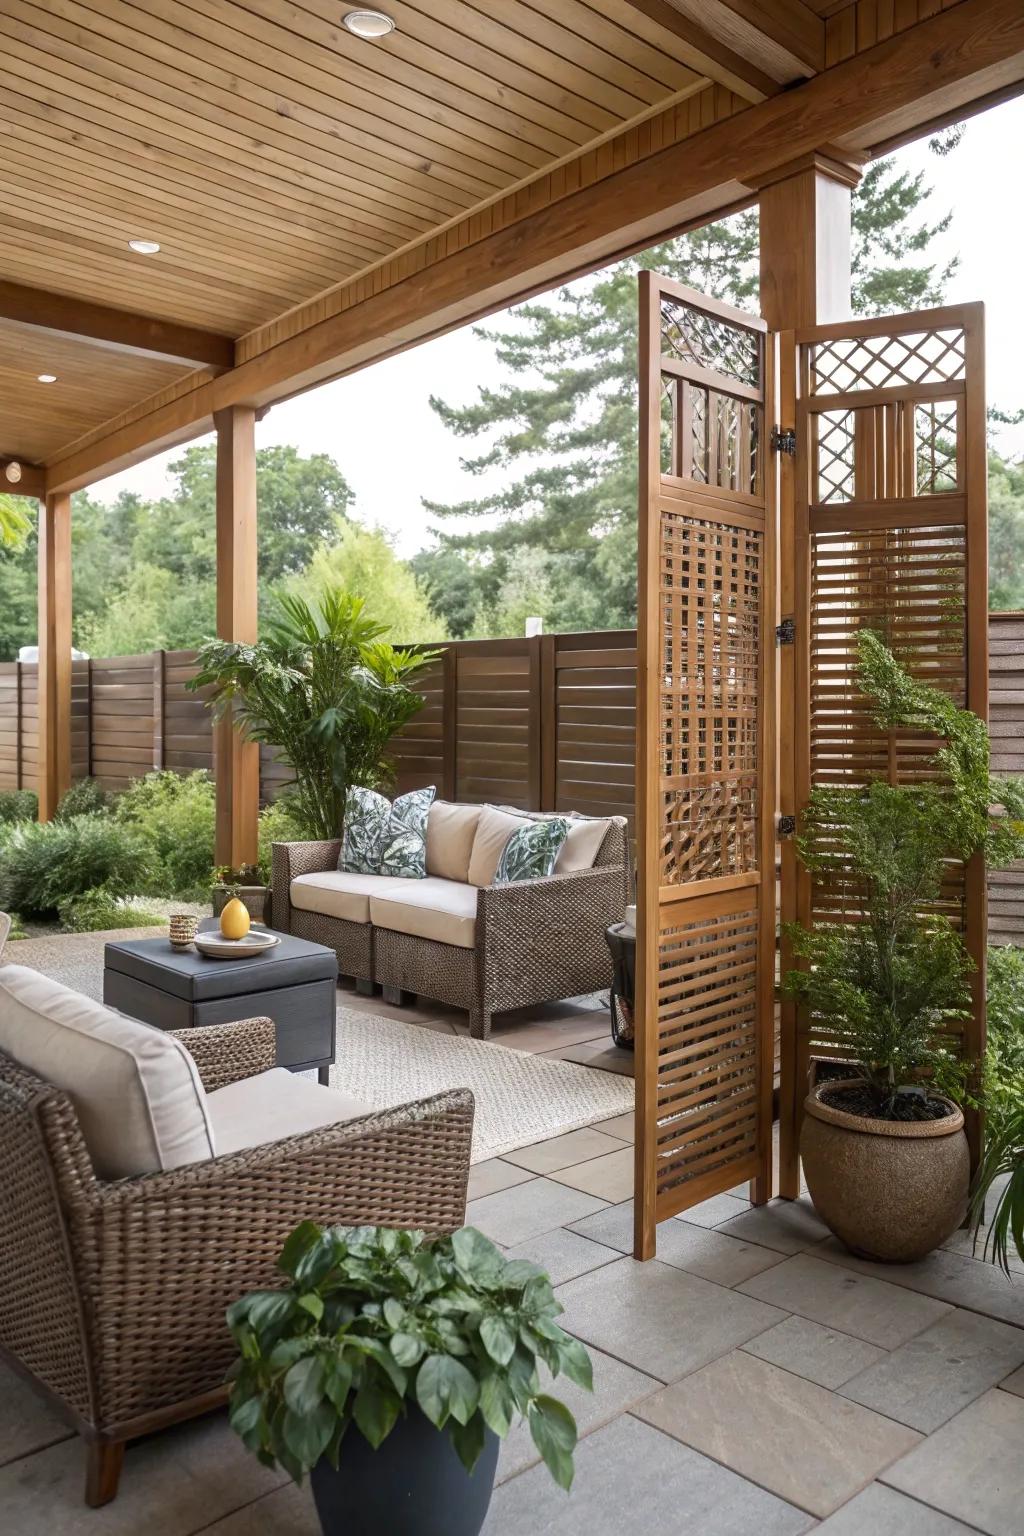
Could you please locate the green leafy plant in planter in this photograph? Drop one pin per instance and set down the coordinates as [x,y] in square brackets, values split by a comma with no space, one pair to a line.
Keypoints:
[892,981]
[326,691]
[379,1330]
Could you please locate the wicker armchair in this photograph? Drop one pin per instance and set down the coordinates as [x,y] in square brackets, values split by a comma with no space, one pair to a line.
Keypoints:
[112,1295]
[536,940]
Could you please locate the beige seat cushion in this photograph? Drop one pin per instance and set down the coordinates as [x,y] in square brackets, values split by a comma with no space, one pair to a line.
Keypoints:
[273,1105]
[336,894]
[136,1091]
[444,910]
[493,832]
[582,844]
[451,830]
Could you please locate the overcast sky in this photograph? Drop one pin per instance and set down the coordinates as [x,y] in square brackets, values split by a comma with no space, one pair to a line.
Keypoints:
[379,427]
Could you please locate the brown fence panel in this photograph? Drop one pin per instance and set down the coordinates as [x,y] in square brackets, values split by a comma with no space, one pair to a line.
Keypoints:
[122,719]
[10,725]
[593,750]
[1006,725]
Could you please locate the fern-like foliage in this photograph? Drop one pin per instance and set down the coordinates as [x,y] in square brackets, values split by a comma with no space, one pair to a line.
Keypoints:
[326,690]
[892,976]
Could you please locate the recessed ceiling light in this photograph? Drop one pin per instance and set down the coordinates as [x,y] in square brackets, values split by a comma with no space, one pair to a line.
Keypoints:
[47,378]
[144,247]
[372,24]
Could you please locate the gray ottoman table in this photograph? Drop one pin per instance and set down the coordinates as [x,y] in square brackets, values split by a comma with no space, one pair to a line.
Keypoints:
[295,984]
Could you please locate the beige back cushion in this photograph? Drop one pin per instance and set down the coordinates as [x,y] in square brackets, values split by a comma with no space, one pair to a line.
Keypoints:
[493,831]
[450,833]
[139,1100]
[582,845]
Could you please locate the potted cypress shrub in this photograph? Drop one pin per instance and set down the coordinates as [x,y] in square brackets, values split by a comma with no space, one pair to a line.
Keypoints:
[389,1368]
[883,1147]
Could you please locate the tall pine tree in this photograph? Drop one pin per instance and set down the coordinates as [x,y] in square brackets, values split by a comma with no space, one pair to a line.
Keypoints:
[563,427]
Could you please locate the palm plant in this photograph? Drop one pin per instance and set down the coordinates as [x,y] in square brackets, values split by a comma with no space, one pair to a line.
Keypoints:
[326,690]
[13,523]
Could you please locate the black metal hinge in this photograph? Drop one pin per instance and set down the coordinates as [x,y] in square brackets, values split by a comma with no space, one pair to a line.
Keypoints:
[783,440]
[785,633]
[785,826]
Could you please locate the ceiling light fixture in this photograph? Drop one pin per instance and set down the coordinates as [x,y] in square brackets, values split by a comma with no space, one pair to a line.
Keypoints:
[47,378]
[144,247]
[12,473]
[369,24]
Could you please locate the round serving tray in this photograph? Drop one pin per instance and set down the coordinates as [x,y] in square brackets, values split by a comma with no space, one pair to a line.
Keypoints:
[215,947]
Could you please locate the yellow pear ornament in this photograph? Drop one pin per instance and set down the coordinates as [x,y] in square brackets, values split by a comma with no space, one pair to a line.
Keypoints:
[234,920]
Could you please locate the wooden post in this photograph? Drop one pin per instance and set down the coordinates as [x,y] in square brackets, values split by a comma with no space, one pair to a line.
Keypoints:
[805,280]
[237,762]
[54,630]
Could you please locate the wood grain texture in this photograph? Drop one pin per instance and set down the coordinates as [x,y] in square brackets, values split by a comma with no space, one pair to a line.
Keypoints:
[675,164]
[236,762]
[54,674]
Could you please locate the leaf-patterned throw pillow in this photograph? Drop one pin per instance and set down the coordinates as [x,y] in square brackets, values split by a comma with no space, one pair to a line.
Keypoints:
[367,816]
[531,851]
[404,851]
[379,838]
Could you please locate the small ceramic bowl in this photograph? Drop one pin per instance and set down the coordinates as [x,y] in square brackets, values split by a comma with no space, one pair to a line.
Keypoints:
[184,927]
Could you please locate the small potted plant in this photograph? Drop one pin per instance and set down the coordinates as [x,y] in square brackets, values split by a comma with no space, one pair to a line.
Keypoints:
[244,884]
[389,1368]
[883,1147]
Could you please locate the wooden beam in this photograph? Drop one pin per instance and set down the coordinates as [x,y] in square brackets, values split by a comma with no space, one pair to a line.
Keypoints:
[970,49]
[54,631]
[707,53]
[785,38]
[58,314]
[236,762]
[32,480]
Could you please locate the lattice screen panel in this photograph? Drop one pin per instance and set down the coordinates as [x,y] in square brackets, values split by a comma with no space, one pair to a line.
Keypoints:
[710,623]
[891,519]
[705,790]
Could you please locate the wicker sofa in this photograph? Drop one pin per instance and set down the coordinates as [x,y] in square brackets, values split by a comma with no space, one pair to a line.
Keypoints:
[113,1290]
[480,946]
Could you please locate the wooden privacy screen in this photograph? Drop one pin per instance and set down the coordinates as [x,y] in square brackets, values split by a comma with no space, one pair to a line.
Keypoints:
[705,757]
[1006,727]
[545,723]
[890,534]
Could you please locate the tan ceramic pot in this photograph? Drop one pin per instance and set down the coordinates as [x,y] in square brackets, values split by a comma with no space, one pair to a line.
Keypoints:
[891,1190]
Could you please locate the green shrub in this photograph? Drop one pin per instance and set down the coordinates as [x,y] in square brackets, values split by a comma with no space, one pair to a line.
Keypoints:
[174,817]
[43,864]
[85,798]
[103,908]
[18,805]
[279,823]
[1004,1056]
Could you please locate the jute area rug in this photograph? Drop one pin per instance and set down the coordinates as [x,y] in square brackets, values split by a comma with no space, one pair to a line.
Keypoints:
[520,1098]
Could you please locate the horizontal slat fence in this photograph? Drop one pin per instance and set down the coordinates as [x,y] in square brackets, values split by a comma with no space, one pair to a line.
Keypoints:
[1006,726]
[544,723]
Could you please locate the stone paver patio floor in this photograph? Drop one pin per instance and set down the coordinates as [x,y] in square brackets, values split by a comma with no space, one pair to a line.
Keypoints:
[755,1378]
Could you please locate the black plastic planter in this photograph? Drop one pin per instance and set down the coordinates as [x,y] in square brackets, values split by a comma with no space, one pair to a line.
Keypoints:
[414,1485]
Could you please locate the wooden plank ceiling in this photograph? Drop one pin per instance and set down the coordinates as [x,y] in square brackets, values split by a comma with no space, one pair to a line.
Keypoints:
[277,159]
[272,154]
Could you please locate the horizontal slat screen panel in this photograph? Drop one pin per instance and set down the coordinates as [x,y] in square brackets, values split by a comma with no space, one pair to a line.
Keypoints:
[1006,727]
[496,725]
[595,726]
